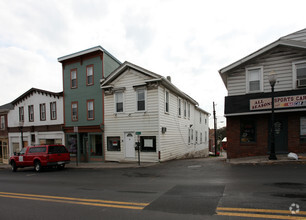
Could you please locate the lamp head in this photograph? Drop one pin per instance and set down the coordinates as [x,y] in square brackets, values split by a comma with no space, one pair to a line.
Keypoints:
[272,78]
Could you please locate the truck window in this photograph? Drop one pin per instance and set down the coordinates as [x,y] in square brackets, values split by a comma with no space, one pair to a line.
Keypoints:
[37,149]
[23,150]
[57,149]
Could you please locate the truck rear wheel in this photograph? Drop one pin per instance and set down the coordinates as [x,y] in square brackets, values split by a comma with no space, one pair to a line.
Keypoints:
[37,166]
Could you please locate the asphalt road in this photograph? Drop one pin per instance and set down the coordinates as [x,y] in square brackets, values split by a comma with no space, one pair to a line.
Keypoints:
[184,189]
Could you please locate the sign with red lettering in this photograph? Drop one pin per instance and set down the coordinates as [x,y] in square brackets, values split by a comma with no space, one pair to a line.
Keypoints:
[279,102]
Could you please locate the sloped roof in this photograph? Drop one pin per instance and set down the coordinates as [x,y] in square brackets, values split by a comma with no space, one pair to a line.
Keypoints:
[156,77]
[35,90]
[6,107]
[296,39]
[83,52]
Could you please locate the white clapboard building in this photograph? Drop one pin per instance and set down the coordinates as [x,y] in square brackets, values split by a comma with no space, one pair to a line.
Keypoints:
[142,106]
[36,118]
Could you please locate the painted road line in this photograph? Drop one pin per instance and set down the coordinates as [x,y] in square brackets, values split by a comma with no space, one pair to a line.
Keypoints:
[79,201]
[259,210]
[253,215]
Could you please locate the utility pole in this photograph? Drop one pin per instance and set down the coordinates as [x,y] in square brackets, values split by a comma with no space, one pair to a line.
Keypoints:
[215,128]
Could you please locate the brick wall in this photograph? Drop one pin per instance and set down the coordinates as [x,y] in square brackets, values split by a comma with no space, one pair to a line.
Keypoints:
[237,149]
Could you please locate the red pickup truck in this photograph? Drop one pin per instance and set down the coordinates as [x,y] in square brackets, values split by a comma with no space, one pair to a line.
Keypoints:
[40,156]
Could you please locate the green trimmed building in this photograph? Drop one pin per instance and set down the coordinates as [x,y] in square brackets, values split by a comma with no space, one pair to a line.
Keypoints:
[83,101]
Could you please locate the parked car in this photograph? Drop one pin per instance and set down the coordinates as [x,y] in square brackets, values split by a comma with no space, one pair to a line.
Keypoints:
[40,156]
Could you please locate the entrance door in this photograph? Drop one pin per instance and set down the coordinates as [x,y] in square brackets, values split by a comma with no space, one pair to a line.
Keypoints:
[129,145]
[281,134]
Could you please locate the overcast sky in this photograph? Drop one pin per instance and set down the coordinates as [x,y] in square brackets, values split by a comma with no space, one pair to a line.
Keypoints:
[188,40]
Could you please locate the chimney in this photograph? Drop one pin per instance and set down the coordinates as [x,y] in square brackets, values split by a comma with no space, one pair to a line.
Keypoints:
[169,78]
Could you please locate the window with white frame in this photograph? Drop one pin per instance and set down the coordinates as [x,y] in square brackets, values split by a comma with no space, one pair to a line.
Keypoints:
[196,137]
[188,110]
[119,102]
[53,114]
[201,138]
[21,114]
[179,101]
[200,118]
[73,79]
[90,110]
[31,113]
[90,75]
[141,99]
[74,111]
[189,135]
[299,71]
[42,108]
[254,79]
[185,109]
[2,122]
[166,101]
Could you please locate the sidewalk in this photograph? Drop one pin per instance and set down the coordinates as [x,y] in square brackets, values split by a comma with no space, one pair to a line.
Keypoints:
[98,165]
[281,158]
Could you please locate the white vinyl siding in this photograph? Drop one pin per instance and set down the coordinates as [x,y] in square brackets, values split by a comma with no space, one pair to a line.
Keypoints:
[171,144]
[280,61]
[131,120]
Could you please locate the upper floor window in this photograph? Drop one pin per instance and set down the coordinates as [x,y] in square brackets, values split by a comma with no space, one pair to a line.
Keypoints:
[188,110]
[299,71]
[119,101]
[179,107]
[254,79]
[2,122]
[42,108]
[90,75]
[90,110]
[21,114]
[141,99]
[166,101]
[200,118]
[74,111]
[73,79]
[53,110]
[185,109]
[31,113]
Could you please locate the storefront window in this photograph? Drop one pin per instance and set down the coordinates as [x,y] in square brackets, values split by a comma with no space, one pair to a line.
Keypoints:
[96,145]
[72,144]
[113,143]
[247,131]
[303,129]
[148,143]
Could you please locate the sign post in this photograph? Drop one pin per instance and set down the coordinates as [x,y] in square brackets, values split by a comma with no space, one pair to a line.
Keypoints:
[138,133]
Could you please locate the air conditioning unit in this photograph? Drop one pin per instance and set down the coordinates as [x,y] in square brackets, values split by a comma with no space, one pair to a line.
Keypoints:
[301,83]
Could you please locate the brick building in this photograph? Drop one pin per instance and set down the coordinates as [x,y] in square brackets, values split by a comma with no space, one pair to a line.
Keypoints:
[248,104]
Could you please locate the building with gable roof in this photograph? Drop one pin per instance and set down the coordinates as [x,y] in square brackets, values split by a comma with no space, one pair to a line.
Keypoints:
[36,117]
[248,104]
[142,106]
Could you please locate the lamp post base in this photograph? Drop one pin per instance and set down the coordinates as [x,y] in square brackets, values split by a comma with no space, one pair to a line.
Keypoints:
[272,157]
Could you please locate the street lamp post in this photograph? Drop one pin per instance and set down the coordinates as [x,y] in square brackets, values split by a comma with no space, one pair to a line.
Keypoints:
[272,80]
[21,132]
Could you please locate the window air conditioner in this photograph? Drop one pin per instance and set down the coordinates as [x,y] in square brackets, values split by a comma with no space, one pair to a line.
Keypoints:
[301,83]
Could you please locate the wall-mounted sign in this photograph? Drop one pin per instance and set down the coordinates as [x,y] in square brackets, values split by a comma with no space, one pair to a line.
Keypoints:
[279,102]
